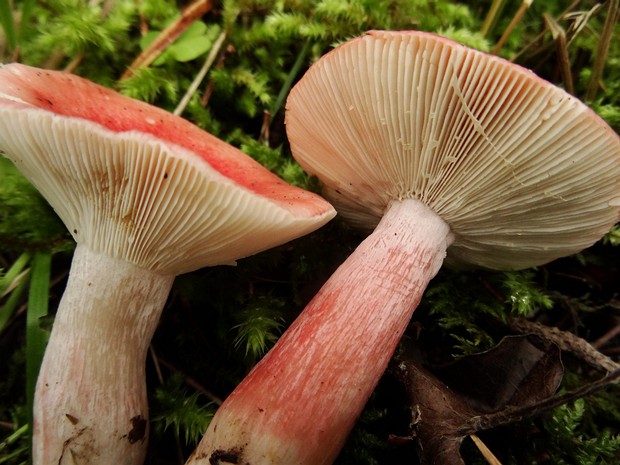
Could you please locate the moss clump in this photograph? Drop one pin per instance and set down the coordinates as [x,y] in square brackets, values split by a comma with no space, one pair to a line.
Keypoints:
[26,219]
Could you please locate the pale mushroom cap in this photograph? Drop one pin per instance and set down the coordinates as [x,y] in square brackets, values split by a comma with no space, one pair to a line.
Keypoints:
[521,171]
[137,183]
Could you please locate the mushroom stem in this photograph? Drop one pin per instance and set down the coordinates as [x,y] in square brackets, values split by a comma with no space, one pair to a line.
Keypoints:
[327,364]
[90,401]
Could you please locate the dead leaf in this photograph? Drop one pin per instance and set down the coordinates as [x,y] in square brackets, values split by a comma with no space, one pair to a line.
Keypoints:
[514,374]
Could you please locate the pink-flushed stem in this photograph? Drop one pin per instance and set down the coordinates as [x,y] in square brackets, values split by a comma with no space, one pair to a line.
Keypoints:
[90,401]
[299,403]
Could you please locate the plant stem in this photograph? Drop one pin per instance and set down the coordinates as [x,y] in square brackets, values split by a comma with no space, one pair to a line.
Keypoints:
[90,403]
[300,402]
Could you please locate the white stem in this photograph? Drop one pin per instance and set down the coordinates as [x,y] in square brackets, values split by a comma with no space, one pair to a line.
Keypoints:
[300,402]
[90,402]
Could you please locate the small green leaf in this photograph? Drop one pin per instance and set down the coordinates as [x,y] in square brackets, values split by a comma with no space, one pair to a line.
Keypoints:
[195,41]
[147,39]
[190,48]
[196,29]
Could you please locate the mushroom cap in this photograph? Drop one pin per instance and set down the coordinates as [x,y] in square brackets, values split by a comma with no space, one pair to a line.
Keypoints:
[135,182]
[522,171]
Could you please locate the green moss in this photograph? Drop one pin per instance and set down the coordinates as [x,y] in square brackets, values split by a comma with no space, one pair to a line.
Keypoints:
[26,219]
[185,414]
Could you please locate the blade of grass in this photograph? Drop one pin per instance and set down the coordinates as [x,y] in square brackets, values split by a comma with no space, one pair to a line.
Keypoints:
[10,279]
[284,90]
[286,85]
[36,337]
[27,7]
[13,284]
[9,459]
[8,24]
[15,435]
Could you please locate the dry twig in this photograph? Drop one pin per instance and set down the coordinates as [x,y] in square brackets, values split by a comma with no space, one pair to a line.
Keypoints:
[561,46]
[567,342]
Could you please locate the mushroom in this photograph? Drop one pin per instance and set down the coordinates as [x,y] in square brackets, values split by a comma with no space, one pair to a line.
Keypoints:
[433,145]
[147,196]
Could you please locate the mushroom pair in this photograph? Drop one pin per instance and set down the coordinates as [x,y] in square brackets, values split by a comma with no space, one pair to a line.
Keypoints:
[147,196]
[442,150]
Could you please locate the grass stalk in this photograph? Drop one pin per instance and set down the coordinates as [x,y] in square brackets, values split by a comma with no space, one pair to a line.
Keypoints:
[8,24]
[286,85]
[13,284]
[36,337]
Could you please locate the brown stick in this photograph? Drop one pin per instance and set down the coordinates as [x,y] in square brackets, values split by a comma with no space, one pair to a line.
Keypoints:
[561,46]
[194,11]
[515,20]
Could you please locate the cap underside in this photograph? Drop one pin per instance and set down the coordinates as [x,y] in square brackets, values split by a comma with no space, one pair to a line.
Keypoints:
[521,171]
[131,196]
[68,95]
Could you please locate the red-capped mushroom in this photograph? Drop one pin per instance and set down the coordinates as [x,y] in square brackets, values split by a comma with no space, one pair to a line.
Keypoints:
[433,145]
[147,196]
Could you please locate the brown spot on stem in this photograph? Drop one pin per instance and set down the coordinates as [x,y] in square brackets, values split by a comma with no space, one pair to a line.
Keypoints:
[138,429]
[74,420]
[225,456]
